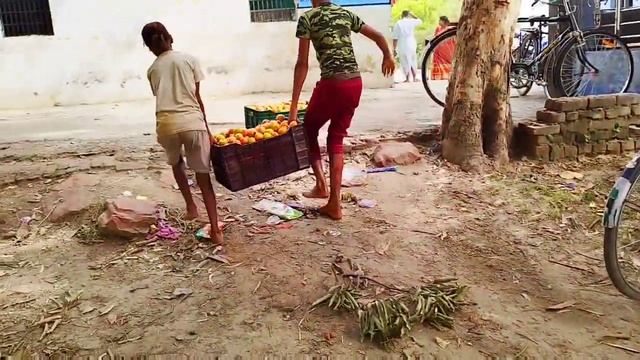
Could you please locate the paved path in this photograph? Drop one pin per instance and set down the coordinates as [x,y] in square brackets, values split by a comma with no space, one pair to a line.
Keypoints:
[405,107]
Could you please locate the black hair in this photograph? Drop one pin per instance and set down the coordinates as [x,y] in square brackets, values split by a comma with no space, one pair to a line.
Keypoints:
[405,13]
[445,19]
[155,35]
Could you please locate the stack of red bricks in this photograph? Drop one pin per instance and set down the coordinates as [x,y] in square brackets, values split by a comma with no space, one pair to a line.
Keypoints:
[572,127]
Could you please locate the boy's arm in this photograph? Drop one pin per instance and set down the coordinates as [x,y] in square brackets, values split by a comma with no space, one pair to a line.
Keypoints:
[388,65]
[299,76]
[201,103]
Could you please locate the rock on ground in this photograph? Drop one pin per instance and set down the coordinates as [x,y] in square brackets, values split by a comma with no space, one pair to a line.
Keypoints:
[126,217]
[74,195]
[396,153]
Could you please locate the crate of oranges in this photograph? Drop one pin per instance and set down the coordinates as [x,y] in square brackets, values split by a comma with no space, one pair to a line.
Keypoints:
[254,115]
[243,158]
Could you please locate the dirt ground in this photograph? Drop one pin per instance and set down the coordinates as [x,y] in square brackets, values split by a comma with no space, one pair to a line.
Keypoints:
[522,240]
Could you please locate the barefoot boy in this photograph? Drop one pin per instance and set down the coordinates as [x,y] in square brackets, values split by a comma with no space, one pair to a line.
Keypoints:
[181,122]
[337,94]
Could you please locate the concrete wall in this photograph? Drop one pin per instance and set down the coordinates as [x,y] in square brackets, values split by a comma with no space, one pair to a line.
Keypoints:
[97,54]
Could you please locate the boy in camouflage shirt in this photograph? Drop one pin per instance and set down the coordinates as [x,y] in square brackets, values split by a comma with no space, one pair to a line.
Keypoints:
[337,94]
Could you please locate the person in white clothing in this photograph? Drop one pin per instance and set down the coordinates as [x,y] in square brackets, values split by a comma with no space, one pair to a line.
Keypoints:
[405,45]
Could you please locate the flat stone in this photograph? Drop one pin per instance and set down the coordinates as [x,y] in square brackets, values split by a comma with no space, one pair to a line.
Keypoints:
[572,116]
[78,181]
[570,152]
[580,126]
[70,202]
[567,104]
[602,101]
[127,217]
[635,110]
[598,135]
[603,125]
[628,99]
[628,145]
[585,149]
[634,130]
[599,147]
[396,153]
[534,128]
[612,113]
[541,153]
[594,114]
[129,166]
[556,152]
[624,110]
[614,147]
[550,117]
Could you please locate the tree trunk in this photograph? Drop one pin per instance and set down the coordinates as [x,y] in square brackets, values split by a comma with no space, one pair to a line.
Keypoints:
[477,116]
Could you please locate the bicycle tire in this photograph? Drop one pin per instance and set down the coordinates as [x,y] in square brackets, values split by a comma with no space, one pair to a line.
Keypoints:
[433,44]
[564,51]
[528,39]
[611,221]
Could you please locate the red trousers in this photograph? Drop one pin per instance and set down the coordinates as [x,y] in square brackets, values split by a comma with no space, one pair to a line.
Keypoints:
[335,101]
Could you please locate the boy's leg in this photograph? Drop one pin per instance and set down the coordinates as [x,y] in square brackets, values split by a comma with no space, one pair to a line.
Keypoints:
[197,146]
[347,100]
[314,119]
[173,148]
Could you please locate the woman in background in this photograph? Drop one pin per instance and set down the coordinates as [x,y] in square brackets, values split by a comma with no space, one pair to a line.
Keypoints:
[443,56]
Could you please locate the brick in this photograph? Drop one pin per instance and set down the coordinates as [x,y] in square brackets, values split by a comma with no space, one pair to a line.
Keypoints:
[612,113]
[594,114]
[572,116]
[600,135]
[624,110]
[570,152]
[541,153]
[582,126]
[556,152]
[550,117]
[628,99]
[585,149]
[602,125]
[628,145]
[614,147]
[602,101]
[621,133]
[540,140]
[634,131]
[557,139]
[566,104]
[633,120]
[635,110]
[637,144]
[599,147]
[569,138]
[583,138]
[534,128]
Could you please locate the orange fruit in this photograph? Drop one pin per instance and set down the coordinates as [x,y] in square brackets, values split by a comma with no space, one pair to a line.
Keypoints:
[280,117]
[244,140]
[284,123]
[283,130]
[249,132]
[268,135]
[239,136]
[251,140]
[259,136]
[223,142]
[293,124]
[274,125]
[229,132]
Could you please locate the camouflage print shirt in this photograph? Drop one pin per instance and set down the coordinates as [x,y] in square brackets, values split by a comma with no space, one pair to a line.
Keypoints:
[329,27]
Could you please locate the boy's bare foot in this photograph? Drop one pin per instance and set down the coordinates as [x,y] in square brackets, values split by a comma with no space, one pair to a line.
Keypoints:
[216,237]
[331,211]
[317,193]
[192,214]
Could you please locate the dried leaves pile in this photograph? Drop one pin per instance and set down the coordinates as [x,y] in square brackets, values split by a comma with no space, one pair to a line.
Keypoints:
[383,318]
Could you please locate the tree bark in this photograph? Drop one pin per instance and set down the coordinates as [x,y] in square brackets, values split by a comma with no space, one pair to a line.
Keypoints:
[477,120]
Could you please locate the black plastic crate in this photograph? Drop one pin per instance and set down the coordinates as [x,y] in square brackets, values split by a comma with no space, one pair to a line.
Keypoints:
[238,167]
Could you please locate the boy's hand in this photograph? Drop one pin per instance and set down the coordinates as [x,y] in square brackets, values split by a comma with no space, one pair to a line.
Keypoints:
[388,66]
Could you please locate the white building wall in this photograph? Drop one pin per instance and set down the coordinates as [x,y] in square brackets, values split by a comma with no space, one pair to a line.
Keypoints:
[97,54]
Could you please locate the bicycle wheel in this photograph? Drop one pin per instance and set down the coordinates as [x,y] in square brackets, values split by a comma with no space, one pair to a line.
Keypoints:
[437,66]
[602,64]
[524,53]
[622,232]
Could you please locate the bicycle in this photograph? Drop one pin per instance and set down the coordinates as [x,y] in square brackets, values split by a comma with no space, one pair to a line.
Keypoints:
[621,220]
[575,63]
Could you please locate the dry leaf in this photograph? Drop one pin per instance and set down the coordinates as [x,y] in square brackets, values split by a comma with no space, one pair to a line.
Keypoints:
[562,306]
[112,319]
[107,309]
[571,175]
[442,343]
[220,258]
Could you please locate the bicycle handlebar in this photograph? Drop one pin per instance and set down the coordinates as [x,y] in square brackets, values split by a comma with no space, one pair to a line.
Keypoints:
[543,19]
